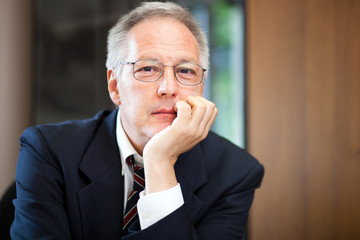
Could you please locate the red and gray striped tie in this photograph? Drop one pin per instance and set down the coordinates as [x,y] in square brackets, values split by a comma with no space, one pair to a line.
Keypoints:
[139,184]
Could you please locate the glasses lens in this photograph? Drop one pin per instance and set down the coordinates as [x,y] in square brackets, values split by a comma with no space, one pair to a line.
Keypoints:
[189,73]
[147,70]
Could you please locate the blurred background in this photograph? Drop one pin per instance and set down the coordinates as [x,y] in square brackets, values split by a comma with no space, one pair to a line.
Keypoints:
[284,74]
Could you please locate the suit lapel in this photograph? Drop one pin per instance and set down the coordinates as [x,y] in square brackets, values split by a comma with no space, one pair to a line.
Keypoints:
[101,202]
[103,151]
[191,174]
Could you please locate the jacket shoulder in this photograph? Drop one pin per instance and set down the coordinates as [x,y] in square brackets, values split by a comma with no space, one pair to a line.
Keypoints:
[69,137]
[222,157]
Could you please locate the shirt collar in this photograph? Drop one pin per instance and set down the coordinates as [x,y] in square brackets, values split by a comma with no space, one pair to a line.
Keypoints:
[126,149]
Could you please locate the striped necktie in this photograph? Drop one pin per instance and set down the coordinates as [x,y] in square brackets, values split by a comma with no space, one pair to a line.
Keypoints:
[139,184]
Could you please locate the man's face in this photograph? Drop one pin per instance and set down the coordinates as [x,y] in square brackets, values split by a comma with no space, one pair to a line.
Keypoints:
[148,107]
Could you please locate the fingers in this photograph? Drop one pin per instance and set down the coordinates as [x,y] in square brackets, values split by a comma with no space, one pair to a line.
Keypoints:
[202,109]
[183,110]
[203,114]
[212,119]
[198,108]
[195,115]
[209,117]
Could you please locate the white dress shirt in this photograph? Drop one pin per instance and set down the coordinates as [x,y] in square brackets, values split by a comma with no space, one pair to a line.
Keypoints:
[152,207]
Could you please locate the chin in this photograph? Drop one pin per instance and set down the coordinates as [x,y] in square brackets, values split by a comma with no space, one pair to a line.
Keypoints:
[151,131]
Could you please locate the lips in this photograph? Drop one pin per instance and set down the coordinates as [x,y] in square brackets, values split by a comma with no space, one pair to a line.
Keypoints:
[164,112]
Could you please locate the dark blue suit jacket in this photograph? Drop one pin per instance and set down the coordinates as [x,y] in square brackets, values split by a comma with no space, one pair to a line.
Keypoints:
[69,186]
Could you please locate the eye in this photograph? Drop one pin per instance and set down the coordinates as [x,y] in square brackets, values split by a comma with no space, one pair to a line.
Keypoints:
[185,71]
[147,66]
[148,69]
[145,69]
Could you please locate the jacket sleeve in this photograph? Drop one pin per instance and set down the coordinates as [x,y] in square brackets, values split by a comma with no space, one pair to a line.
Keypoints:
[39,206]
[226,219]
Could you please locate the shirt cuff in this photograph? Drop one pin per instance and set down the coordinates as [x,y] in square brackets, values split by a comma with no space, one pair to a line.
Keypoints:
[155,206]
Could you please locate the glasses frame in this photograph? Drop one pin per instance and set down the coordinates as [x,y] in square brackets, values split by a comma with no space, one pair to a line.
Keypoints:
[162,71]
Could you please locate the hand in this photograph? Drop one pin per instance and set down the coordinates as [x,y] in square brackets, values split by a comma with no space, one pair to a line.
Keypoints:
[195,115]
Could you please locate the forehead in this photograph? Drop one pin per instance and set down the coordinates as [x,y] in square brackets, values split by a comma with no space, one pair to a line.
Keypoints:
[162,38]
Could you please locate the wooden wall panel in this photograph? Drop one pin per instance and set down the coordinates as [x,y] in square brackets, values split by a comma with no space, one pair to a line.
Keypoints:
[303,90]
[15,82]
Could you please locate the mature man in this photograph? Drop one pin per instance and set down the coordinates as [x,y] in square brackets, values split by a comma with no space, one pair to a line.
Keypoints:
[82,179]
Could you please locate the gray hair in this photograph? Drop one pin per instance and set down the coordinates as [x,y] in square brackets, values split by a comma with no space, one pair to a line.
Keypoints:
[117,38]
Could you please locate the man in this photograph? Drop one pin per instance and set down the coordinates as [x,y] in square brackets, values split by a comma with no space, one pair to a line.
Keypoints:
[75,179]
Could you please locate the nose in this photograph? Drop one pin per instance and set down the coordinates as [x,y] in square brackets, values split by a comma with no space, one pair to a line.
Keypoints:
[168,85]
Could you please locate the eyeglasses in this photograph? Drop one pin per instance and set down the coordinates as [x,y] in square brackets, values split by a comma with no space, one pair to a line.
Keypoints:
[147,70]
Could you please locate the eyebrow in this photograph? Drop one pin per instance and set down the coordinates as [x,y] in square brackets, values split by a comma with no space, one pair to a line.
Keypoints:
[182,60]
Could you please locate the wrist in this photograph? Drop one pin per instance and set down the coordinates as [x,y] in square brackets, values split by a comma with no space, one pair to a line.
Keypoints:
[159,175]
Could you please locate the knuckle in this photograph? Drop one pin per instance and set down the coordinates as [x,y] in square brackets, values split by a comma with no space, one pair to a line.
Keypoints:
[212,105]
[202,106]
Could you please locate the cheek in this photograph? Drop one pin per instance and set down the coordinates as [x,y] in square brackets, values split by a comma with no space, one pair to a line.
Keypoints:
[136,104]
[201,88]
[193,91]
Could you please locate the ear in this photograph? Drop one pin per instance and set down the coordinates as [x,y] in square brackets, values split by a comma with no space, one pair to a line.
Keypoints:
[112,87]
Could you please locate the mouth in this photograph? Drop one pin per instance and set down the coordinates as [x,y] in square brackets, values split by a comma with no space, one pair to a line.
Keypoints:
[164,112]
